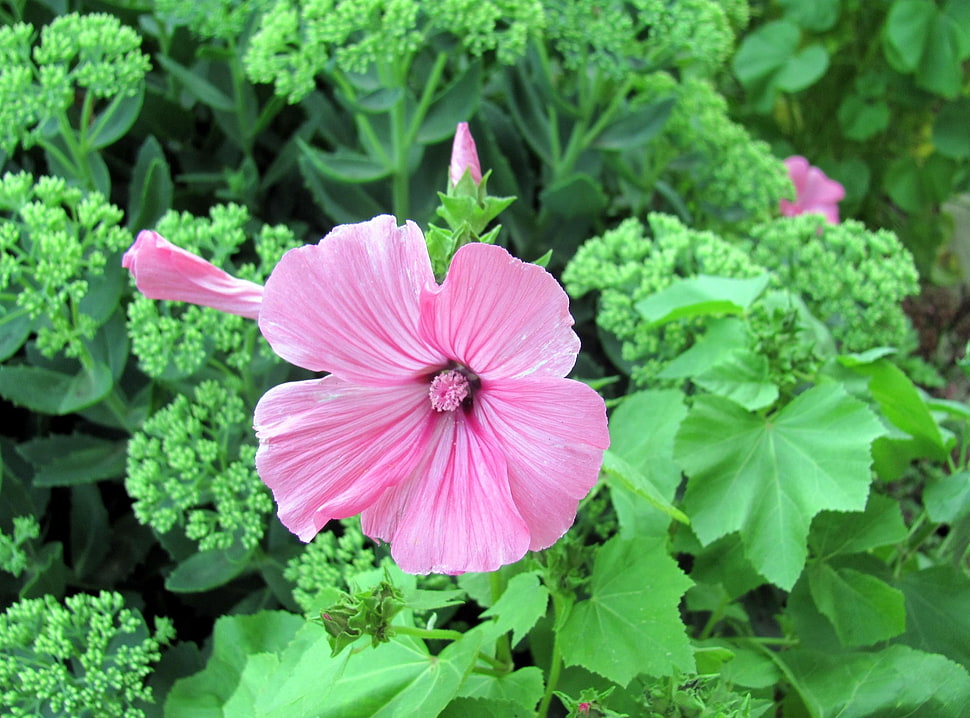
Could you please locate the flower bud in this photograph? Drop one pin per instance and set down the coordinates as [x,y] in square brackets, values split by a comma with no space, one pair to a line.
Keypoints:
[464,156]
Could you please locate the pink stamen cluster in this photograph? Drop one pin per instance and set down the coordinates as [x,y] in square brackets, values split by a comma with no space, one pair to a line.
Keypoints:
[448,390]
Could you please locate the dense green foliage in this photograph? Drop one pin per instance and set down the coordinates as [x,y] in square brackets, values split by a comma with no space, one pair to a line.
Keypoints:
[782,521]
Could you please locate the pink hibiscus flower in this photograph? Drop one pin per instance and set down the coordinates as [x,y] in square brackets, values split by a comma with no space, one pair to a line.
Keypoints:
[445,420]
[814,192]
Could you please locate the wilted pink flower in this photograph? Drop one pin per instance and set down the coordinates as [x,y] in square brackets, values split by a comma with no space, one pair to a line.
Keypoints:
[814,192]
[445,421]
[164,271]
[464,156]
[584,708]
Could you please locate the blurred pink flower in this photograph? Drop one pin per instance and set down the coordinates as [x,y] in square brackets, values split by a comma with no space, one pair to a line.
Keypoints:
[164,271]
[464,156]
[814,192]
[445,420]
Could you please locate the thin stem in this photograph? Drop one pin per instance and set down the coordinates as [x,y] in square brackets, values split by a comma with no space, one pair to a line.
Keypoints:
[444,634]
[502,648]
[555,665]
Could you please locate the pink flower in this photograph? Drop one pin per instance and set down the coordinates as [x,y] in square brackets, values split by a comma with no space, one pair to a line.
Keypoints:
[464,156]
[445,421]
[164,271]
[814,192]
[584,708]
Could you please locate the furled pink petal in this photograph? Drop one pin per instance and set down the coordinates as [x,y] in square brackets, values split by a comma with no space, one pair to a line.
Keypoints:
[500,316]
[814,192]
[349,305]
[552,433]
[464,156]
[164,271]
[328,449]
[455,512]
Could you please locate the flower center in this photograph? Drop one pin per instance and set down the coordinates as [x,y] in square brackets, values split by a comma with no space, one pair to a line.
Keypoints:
[448,390]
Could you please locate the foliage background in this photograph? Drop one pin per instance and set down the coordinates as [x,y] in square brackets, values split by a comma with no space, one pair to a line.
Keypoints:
[784,517]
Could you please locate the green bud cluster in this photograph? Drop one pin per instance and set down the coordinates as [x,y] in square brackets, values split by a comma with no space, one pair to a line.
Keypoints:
[852,279]
[626,265]
[329,561]
[87,657]
[726,178]
[192,467]
[296,41]
[94,54]
[366,612]
[174,340]
[13,557]
[55,243]
[211,19]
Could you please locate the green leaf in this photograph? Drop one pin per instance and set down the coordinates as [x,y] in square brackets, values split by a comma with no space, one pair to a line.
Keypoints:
[861,119]
[627,478]
[817,16]
[111,124]
[523,687]
[901,403]
[907,33]
[940,70]
[724,563]
[743,377]
[951,131]
[196,85]
[724,335]
[208,569]
[938,612]
[343,165]
[521,605]
[635,127]
[803,69]
[151,189]
[234,640]
[63,460]
[51,392]
[642,430]
[838,532]
[577,195]
[15,326]
[764,51]
[631,622]
[947,498]
[862,608]
[897,681]
[457,103]
[702,295]
[90,530]
[768,476]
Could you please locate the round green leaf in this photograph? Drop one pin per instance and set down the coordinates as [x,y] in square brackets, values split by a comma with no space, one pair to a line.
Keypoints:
[907,33]
[951,131]
[803,69]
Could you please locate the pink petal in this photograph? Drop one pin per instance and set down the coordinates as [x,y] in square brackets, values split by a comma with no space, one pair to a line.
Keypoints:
[814,192]
[455,512]
[552,433]
[164,271]
[499,316]
[349,305]
[328,449]
[464,156]
[797,171]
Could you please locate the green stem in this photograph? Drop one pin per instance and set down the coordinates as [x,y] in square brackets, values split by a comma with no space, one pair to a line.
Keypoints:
[502,648]
[444,634]
[555,665]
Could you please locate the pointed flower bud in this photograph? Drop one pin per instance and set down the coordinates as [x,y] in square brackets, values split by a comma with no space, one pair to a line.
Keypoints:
[164,271]
[464,156]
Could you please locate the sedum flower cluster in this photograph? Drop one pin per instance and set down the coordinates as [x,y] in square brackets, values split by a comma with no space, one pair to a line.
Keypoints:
[296,41]
[723,174]
[94,55]
[216,19]
[174,340]
[329,561]
[626,265]
[850,279]
[86,658]
[192,467]
[13,556]
[55,245]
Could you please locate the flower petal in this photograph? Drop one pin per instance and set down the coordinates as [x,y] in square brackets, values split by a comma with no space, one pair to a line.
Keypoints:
[455,512]
[328,449]
[500,317]
[552,433]
[164,271]
[349,305]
